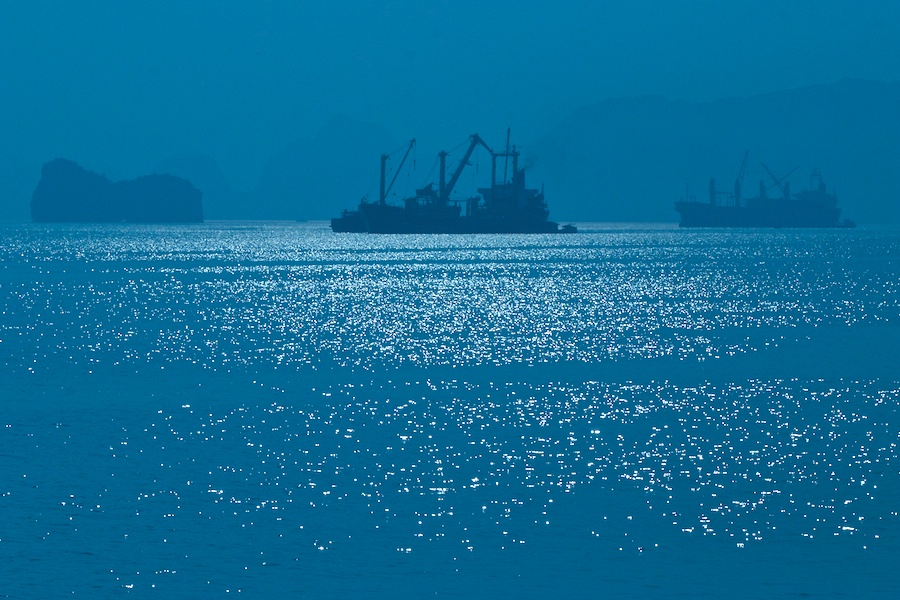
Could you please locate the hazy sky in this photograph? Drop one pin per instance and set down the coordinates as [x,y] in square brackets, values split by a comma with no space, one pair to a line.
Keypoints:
[119,86]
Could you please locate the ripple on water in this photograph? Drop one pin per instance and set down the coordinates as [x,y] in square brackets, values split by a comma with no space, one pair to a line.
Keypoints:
[281,296]
[745,461]
[239,400]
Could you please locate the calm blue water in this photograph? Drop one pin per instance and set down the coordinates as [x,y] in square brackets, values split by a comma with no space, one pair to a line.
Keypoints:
[273,410]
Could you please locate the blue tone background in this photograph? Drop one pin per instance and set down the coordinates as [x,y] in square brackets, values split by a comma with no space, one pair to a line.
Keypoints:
[271,409]
[218,91]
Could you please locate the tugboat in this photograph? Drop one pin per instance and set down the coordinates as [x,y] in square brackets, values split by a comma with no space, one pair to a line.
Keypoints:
[815,207]
[507,206]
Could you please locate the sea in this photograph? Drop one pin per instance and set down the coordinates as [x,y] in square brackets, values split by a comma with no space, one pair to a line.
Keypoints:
[273,410]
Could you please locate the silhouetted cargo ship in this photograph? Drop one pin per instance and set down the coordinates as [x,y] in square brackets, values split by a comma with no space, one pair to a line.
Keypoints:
[507,206]
[815,207]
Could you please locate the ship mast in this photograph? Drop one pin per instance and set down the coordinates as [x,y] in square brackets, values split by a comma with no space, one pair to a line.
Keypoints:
[739,181]
[506,158]
[506,155]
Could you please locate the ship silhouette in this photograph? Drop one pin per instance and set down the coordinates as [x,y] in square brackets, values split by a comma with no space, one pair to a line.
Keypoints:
[814,207]
[507,206]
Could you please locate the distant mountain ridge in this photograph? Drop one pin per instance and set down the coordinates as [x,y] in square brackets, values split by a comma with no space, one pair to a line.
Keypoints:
[621,159]
[629,159]
[220,201]
[316,178]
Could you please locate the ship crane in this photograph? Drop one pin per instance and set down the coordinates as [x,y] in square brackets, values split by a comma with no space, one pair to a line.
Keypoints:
[714,193]
[382,192]
[446,187]
[784,186]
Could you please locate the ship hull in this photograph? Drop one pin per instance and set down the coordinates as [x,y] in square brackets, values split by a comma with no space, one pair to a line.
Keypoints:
[393,220]
[504,215]
[773,214]
[812,208]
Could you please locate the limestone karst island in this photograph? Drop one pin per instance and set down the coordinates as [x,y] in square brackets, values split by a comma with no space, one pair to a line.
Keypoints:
[68,193]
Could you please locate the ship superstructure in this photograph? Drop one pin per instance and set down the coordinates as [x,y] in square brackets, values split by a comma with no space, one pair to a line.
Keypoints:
[507,206]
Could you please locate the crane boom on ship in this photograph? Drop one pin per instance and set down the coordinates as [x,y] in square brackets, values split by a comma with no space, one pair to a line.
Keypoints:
[382,192]
[446,187]
[784,187]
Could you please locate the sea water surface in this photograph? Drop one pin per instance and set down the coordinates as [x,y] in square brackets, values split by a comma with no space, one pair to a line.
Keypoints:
[273,410]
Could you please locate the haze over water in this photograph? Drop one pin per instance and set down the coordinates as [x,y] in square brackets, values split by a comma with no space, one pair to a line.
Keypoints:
[273,409]
[280,109]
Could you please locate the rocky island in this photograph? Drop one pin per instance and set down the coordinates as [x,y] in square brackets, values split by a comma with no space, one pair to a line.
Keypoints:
[68,193]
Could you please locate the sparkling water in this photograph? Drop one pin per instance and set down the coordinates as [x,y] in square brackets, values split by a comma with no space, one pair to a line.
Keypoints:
[273,410]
